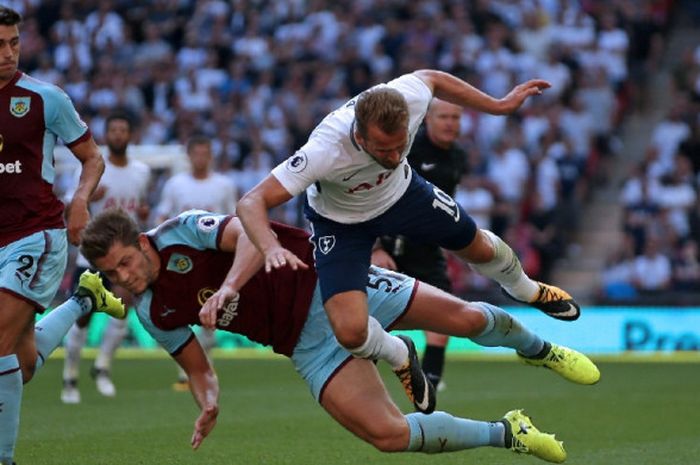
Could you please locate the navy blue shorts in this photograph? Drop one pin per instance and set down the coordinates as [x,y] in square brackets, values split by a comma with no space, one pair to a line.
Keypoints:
[424,214]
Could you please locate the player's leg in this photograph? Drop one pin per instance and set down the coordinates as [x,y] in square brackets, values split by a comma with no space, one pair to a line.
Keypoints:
[101,371]
[433,362]
[342,256]
[357,399]
[16,316]
[90,296]
[492,326]
[75,341]
[427,214]
[491,256]
[112,338]
[31,269]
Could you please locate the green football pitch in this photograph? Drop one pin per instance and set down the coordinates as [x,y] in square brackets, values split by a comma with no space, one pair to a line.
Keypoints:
[640,413]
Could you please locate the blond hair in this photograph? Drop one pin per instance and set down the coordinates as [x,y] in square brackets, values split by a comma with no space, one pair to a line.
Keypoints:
[383,107]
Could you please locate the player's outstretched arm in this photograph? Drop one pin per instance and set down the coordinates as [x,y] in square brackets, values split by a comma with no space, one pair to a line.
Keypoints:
[454,90]
[205,388]
[252,210]
[92,168]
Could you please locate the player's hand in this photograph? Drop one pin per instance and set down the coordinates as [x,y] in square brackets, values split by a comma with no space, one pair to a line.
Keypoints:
[218,300]
[204,424]
[78,217]
[521,92]
[381,257]
[279,257]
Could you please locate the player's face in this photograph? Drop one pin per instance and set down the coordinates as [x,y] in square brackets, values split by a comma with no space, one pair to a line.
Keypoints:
[9,53]
[200,158]
[117,136]
[386,149]
[128,266]
[442,123]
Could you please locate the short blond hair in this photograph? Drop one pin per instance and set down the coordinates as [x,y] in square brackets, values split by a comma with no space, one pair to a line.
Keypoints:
[383,107]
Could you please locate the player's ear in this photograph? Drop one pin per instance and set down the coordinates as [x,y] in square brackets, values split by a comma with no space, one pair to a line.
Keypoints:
[144,243]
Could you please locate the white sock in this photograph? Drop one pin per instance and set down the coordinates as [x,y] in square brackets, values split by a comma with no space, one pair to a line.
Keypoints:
[111,340]
[381,345]
[506,270]
[75,341]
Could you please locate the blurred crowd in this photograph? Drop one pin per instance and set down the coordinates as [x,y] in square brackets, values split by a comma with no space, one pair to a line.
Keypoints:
[256,76]
[661,229]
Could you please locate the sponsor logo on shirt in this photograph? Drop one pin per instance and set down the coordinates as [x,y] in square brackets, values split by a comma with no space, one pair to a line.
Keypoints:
[13,167]
[230,311]
[19,106]
[179,263]
[297,162]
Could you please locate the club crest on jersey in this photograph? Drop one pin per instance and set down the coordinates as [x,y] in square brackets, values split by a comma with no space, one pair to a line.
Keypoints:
[19,106]
[326,244]
[297,162]
[179,263]
[208,223]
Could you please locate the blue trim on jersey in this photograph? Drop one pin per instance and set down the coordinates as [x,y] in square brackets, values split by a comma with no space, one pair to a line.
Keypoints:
[60,120]
[198,229]
[172,340]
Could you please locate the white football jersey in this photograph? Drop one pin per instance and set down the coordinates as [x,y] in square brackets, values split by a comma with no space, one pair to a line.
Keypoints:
[183,192]
[342,181]
[126,187]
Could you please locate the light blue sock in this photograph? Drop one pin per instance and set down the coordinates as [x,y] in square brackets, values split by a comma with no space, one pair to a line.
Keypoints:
[442,432]
[503,330]
[50,330]
[10,400]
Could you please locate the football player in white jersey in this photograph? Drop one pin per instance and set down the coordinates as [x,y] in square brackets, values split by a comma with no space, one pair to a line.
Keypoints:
[203,189]
[359,186]
[124,185]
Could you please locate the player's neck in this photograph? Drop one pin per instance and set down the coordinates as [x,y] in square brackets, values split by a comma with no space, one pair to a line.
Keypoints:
[118,160]
[200,175]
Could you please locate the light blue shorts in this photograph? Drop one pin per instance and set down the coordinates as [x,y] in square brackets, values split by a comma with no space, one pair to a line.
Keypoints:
[32,268]
[318,356]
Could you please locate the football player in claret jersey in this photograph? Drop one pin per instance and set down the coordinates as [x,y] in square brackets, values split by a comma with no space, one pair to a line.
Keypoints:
[124,185]
[33,242]
[200,268]
[359,186]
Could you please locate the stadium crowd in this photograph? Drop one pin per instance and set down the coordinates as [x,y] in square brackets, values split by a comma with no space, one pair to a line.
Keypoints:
[256,77]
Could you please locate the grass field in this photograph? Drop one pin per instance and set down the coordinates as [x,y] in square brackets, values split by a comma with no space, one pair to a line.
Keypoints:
[640,413]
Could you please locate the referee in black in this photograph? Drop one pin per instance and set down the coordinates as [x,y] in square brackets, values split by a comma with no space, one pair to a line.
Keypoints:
[436,156]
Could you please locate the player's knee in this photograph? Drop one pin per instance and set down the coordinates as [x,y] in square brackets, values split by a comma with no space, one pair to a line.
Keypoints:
[470,321]
[351,336]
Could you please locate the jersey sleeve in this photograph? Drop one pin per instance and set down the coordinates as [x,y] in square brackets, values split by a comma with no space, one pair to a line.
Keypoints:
[311,163]
[171,340]
[198,229]
[62,118]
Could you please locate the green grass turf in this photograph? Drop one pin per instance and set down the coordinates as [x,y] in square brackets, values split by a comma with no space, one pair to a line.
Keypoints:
[640,413]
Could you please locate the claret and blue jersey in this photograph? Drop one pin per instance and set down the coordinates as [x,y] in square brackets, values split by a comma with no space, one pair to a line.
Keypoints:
[33,115]
[271,308]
